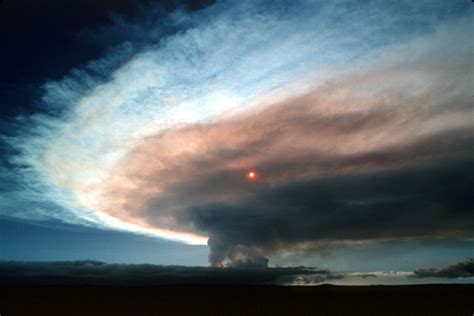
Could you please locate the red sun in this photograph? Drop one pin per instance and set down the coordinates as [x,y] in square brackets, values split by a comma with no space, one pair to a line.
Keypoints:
[251,175]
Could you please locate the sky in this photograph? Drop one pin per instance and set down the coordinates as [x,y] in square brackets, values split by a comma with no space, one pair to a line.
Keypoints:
[129,129]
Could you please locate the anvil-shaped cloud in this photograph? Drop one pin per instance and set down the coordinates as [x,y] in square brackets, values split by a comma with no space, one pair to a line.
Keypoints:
[355,158]
[357,131]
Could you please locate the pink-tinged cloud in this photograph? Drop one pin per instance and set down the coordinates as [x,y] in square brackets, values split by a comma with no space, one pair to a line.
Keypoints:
[391,120]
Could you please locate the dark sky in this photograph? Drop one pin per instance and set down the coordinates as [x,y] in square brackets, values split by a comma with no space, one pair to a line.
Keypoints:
[42,40]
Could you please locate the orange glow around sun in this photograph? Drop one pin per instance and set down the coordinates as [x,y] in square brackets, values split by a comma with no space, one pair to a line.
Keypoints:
[251,175]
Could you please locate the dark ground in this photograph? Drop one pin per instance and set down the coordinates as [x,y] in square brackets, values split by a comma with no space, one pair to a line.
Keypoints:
[238,300]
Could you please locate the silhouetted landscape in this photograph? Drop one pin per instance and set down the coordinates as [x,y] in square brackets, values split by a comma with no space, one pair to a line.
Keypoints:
[238,300]
[89,287]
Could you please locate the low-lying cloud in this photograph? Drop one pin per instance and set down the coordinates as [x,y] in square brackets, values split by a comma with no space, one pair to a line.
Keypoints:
[463,269]
[90,272]
[99,273]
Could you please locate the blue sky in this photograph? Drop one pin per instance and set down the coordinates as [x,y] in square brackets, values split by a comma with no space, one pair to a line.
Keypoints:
[53,241]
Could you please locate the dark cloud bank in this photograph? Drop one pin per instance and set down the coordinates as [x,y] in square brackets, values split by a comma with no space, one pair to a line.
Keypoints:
[100,273]
[410,203]
[459,270]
